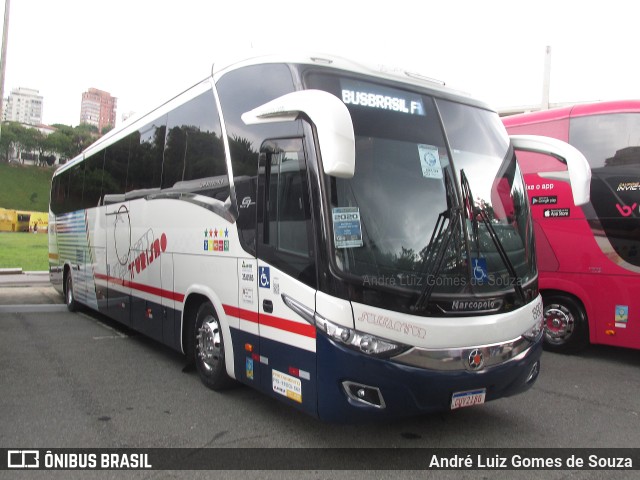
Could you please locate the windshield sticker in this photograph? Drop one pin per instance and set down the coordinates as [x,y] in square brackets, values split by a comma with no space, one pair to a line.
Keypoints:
[480,272]
[430,161]
[346,227]
[622,316]
[381,98]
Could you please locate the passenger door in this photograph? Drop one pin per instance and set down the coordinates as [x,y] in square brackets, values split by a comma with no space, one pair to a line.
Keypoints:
[286,270]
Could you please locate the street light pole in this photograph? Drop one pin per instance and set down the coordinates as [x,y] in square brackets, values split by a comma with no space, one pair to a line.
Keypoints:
[546,81]
[3,57]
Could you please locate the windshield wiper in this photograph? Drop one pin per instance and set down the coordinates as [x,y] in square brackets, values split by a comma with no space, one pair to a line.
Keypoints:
[453,215]
[475,212]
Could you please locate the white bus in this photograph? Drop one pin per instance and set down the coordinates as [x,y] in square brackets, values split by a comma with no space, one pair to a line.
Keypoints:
[354,242]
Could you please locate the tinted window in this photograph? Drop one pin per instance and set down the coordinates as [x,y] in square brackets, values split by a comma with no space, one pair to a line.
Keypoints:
[240,91]
[194,148]
[116,166]
[285,228]
[611,144]
[93,180]
[147,146]
[74,180]
[57,195]
[243,90]
[607,140]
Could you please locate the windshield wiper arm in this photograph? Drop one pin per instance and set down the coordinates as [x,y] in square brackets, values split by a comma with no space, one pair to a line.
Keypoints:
[452,214]
[482,212]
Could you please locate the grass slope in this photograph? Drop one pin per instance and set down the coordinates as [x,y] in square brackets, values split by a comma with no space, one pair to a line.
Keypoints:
[28,251]
[25,187]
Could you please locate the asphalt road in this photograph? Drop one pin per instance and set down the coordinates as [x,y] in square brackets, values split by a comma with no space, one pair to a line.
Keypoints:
[78,380]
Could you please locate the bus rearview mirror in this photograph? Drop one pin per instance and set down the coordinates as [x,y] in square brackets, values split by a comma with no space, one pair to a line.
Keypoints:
[330,117]
[577,165]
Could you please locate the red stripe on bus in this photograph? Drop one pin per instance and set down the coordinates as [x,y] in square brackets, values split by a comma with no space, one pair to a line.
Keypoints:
[241,313]
[303,329]
[178,297]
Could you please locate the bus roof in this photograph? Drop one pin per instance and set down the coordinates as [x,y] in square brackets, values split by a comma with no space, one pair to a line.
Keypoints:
[386,72]
[235,62]
[578,110]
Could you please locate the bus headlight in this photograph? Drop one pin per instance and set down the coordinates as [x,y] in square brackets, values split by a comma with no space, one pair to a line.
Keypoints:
[362,342]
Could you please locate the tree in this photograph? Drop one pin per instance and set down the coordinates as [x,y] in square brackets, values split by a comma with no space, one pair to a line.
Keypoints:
[14,137]
[7,140]
[58,142]
[65,141]
[83,136]
[31,140]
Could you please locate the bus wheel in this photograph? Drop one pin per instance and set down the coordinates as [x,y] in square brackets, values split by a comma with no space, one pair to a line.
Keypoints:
[565,324]
[69,297]
[209,349]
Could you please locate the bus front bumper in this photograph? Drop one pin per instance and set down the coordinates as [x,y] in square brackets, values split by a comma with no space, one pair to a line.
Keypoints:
[356,387]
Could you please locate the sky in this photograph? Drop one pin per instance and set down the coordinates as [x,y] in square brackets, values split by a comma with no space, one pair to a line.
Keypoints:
[145,51]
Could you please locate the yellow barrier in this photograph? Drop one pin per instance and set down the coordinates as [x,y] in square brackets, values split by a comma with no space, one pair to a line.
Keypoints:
[23,221]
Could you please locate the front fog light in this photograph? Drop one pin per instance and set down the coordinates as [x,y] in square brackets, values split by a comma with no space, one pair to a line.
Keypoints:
[366,394]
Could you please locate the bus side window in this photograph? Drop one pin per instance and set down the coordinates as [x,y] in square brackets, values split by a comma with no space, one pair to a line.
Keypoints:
[194,149]
[147,146]
[284,216]
[239,91]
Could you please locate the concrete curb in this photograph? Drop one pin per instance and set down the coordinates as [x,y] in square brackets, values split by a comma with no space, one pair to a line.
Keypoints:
[10,271]
[45,308]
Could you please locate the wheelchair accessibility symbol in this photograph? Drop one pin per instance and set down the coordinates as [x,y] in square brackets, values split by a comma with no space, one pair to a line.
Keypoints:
[480,274]
[264,277]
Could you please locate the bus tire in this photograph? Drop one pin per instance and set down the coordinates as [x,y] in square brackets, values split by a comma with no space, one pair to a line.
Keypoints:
[566,329]
[208,349]
[69,296]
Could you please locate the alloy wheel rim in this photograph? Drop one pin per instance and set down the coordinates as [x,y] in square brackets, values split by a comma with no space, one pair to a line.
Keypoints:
[559,324]
[209,343]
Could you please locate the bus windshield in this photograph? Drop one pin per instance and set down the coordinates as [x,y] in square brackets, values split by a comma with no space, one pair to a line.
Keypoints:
[403,221]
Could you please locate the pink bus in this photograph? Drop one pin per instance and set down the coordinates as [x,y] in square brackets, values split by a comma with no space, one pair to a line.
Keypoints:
[588,256]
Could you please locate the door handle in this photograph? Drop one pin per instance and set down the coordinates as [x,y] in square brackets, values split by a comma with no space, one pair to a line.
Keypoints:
[267,306]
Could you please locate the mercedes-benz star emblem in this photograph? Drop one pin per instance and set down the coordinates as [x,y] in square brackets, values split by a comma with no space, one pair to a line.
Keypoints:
[476,359]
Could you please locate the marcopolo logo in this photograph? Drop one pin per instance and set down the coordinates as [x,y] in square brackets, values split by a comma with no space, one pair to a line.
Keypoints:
[485,305]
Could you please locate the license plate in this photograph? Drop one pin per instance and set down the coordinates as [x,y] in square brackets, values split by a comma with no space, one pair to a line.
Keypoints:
[468,398]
